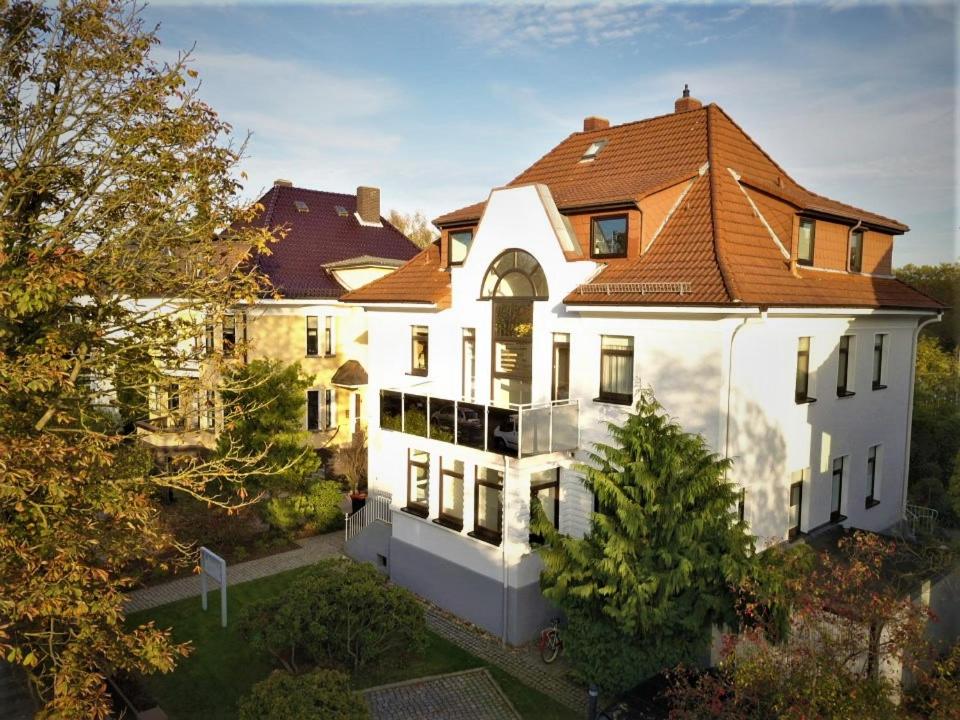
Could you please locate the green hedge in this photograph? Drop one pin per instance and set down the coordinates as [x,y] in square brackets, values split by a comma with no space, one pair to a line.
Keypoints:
[319,694]
[316,510]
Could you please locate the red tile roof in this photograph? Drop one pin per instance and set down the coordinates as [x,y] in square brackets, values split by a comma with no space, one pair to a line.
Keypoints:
[318,237]
[714,249]
[420,280]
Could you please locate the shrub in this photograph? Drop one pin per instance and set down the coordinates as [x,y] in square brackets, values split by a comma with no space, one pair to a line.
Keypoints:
[338,612]
[316,510]
[319,694]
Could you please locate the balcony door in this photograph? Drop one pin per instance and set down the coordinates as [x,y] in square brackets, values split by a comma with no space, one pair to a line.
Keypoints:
[513,282]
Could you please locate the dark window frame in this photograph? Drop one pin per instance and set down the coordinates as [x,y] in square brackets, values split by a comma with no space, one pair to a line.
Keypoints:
[424,337]
[626,235]
[555,385]
[450,234]
[794,530]
[211,408]
[231,344]
[742,504]
[313,337]
[412,506]
[836,514]
[534,491]
[451,521]
[801,395]
[329,405]
[879,340]
[481,532]
[843,362]
[850,248]
[173,398]
[328,343]
[813,241]
[313,410]
[873,454]
[611,397]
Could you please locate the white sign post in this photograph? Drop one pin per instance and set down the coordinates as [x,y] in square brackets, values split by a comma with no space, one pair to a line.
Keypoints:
[216,567]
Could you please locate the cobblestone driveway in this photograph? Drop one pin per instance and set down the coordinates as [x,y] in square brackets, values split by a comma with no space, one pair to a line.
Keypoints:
[469,695]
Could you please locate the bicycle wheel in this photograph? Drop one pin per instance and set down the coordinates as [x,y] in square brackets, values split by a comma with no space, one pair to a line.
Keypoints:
[550,649]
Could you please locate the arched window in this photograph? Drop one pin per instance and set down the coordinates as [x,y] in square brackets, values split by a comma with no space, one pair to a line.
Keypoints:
[514,274]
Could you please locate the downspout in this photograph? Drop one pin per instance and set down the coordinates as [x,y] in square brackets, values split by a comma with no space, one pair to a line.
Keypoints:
[505,533]
[726,429]
[913,380]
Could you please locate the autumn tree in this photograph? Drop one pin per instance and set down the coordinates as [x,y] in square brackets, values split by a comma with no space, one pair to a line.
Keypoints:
[415,226]
[657,570]
[116,183]
[942,282]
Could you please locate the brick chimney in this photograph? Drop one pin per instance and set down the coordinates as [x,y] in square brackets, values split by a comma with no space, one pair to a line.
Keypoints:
[595,123]
[280,182]
[368,204]
[686,103]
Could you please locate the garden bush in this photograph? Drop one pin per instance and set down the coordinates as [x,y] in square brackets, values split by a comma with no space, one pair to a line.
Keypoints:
[337,613]
[315,510]
[319,694]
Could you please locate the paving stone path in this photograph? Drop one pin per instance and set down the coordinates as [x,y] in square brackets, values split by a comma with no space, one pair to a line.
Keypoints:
[468,695]
[523,663]
[311,550]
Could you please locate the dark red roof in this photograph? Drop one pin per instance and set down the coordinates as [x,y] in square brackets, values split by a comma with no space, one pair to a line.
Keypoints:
[319,236]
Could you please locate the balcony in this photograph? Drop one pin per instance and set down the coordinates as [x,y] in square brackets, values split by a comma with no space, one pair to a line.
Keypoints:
[517,431]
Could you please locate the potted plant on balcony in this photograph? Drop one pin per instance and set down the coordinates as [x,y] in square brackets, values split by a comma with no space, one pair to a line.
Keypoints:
[350,461]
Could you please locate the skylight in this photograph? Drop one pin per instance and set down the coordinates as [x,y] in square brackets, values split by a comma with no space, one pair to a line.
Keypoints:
[594,150]
[341,210]
[301,206]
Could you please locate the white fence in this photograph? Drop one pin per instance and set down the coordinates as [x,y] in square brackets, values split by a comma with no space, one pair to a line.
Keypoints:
[377,507]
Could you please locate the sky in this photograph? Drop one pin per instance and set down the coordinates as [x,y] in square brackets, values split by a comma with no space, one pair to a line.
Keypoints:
[437,104]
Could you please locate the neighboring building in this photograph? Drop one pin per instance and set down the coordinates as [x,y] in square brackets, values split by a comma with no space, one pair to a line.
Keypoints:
[672,253]
[329,243]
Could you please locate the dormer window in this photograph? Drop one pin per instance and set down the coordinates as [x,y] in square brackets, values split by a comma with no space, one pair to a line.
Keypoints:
[595,147]
[608,236]
[805,242]
[460,241]
[856,251]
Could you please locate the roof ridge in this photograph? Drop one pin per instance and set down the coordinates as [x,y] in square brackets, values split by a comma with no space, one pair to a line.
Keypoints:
[725,274]
[673,113]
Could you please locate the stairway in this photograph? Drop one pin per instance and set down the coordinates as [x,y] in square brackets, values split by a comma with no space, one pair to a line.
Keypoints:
[15,700]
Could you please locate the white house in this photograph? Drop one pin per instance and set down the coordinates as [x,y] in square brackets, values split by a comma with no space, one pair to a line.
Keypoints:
[671,253]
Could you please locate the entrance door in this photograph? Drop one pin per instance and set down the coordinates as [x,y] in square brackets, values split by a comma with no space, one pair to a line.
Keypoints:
[512,351]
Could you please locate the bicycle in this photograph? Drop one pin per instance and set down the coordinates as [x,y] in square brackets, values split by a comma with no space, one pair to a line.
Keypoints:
[551,644]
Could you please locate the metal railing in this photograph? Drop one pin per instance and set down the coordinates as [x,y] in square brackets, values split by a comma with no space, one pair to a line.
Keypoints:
[921,520]
[377,507]
[515,431]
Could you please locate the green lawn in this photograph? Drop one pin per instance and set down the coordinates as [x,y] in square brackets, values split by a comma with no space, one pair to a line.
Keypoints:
[222,666]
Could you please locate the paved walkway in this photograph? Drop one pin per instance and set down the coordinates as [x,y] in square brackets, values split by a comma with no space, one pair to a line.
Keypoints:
[311,550]
[468,695]
[523,663]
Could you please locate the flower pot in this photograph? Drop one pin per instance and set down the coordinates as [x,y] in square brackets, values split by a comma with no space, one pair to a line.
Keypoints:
[357,501]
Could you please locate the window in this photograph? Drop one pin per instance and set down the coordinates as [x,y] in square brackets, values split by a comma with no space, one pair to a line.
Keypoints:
[488,505]
[512,375]
[796,502]
[328,347]
[211,408]
[419,341]
[873,458]
[208,337]
[313,341]
[301,206]
[616,369]
[173,397]
[741,505]
[313,409]
[843,367]
[560,387]
[545,487]
[836,489]
[806,241]
[468,389]
[802,389]
[329,409]
[340,210]
[593,150]
[418,482]
[878,342]
[514,274]
[451,494]
[608,236]
[459,245]
[856,251]
[229,334]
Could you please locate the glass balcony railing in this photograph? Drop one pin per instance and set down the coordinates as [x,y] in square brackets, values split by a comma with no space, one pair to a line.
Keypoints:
[516,431]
